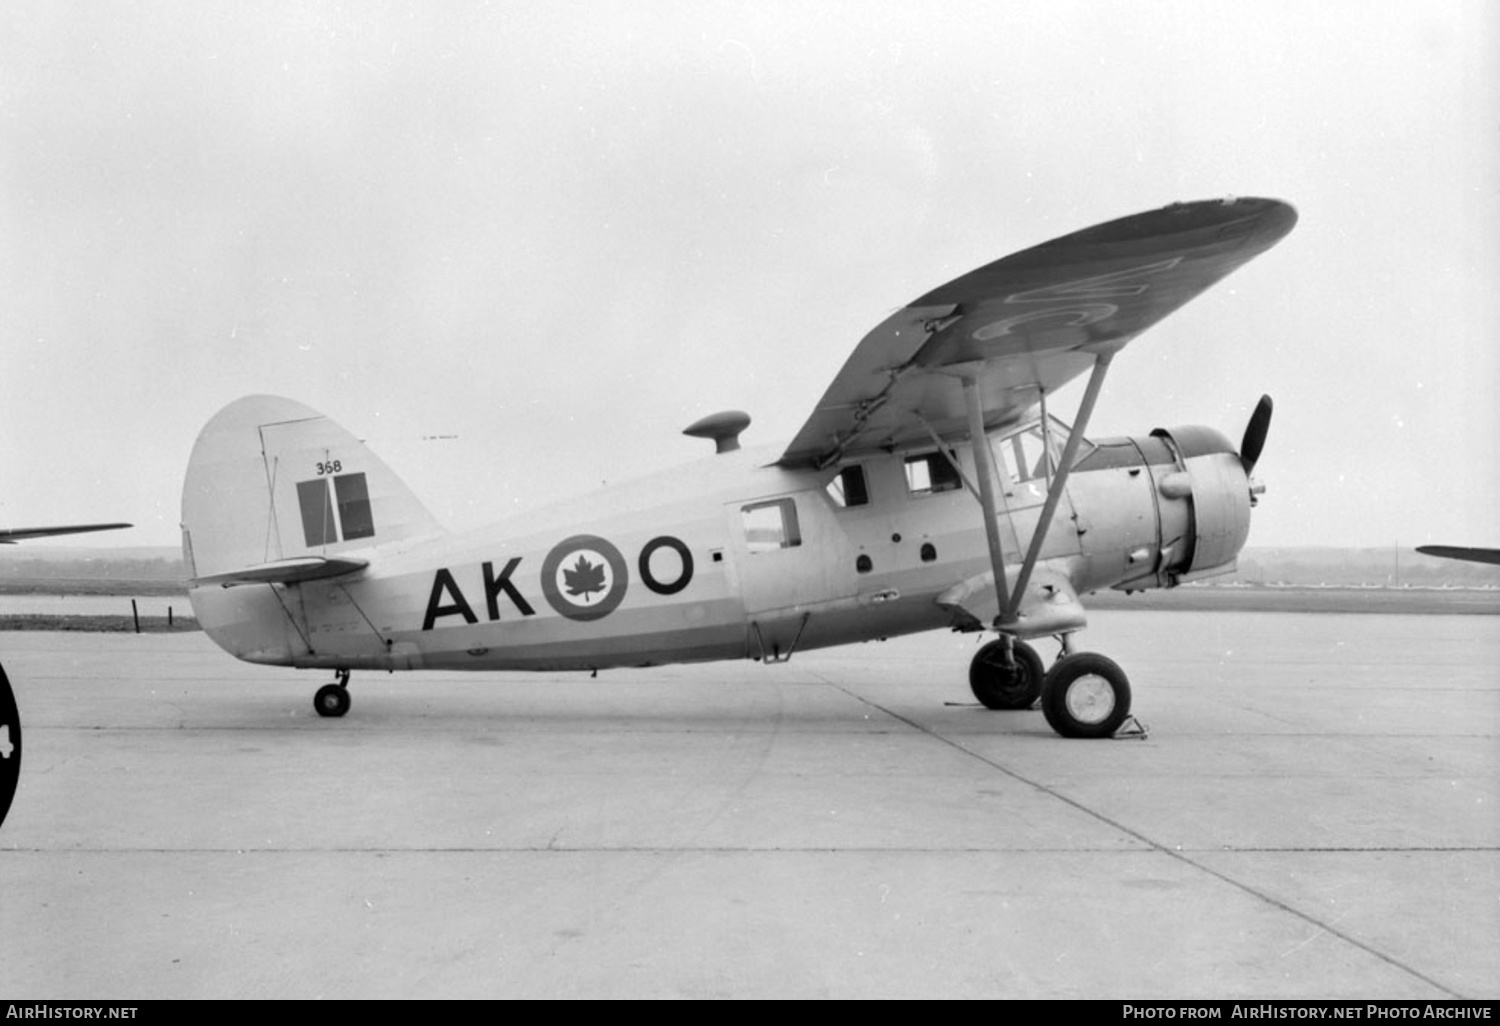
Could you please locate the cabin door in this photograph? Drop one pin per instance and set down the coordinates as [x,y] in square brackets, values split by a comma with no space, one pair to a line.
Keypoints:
[792,559]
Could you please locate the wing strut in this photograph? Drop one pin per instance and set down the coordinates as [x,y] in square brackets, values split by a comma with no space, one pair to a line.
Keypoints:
[1009,608]
[983,467]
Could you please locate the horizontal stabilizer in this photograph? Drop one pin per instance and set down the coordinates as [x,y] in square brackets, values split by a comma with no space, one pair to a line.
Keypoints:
[286,571]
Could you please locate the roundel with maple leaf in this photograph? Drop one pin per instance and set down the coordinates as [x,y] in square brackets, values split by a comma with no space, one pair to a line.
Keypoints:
[584,577]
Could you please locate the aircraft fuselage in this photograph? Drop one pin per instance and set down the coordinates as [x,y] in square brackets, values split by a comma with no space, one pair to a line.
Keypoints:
[730,557]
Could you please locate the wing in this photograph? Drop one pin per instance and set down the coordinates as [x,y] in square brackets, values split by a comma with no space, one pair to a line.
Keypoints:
[1029,323]
[22,533]
[1472,555]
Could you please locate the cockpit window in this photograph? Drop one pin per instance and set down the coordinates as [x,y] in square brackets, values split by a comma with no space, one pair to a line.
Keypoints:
[1028,453]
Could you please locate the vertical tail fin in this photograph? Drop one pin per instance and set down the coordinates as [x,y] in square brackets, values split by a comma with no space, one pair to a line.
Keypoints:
[271,479]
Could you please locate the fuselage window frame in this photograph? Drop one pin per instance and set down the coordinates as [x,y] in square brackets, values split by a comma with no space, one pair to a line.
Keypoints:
[770,526]
[931,473]
[849,488]
[1030,453]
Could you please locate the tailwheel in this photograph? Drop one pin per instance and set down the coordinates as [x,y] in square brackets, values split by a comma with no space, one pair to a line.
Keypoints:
[333,699]
[1086,695]
[1001,683]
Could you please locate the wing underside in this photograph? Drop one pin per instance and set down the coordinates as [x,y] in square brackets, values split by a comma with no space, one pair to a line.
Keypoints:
[1027,324]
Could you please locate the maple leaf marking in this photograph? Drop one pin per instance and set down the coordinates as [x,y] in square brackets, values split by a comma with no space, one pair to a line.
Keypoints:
[584,579]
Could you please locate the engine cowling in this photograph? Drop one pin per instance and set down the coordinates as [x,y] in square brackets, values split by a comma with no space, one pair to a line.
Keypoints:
[1211,480]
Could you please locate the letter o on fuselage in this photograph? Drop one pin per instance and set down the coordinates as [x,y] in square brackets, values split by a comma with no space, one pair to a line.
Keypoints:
[685,575]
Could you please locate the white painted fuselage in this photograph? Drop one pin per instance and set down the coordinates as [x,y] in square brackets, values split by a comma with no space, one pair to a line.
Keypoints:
[733,557]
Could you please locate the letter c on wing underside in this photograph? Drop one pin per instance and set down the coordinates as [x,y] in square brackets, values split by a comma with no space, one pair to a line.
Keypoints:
[1080,316]
[1100,286]
[1076,315]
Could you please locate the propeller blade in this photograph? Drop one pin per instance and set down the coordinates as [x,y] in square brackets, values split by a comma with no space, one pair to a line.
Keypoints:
[1255,433]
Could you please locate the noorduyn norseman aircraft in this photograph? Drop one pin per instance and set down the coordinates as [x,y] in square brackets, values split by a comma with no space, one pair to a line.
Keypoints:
[930,488]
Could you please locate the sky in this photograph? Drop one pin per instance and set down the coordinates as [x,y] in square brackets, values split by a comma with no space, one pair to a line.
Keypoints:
[517,247]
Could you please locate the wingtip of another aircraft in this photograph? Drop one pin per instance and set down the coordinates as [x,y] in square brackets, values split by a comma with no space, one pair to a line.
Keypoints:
[1469,554]
[13,535]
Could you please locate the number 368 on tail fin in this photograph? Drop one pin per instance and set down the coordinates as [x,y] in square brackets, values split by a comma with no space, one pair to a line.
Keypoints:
[931,487]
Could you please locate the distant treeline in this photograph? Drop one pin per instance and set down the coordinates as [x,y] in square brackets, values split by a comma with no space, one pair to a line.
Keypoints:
[1379,568]
[18,568]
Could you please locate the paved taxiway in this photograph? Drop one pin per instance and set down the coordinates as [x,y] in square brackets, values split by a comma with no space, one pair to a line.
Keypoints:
[1316,813]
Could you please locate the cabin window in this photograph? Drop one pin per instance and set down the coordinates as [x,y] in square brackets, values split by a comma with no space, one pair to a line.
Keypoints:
[771,525]
[848,488]
[931,472]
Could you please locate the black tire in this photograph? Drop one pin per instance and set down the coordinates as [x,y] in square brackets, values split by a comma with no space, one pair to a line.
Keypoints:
[10,744]
[1086,695]
[331,700]
[998,686]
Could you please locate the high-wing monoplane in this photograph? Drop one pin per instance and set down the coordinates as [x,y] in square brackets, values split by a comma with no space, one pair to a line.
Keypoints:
[931,487]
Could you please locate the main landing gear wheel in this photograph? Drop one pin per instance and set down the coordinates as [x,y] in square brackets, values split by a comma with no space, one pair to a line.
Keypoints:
[333,699]
[1086,695]
[998,686]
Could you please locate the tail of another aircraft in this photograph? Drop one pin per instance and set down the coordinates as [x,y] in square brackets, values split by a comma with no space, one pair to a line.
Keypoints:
[274,485]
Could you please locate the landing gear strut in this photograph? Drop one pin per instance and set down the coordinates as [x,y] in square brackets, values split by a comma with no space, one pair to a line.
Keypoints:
[333,699]
[1084,694]
[1006,683]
